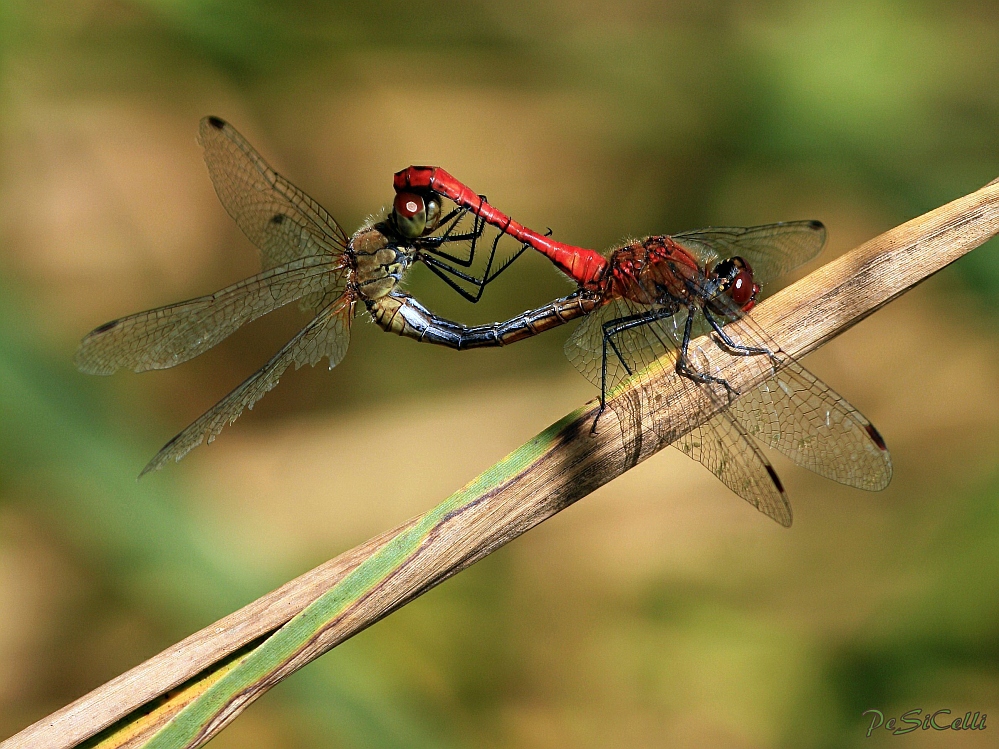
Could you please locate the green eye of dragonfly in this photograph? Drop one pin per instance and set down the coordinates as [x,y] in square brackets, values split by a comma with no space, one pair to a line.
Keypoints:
[433,212]
[410,214]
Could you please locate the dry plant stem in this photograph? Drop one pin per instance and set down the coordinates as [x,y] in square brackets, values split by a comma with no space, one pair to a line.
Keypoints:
[97,710]
[558,467]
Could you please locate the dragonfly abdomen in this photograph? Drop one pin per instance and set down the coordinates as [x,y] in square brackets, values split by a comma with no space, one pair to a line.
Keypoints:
[401,314]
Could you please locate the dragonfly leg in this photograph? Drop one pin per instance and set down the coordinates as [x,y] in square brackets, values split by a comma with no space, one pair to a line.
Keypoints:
[584,266]
[433,244]
[737,348]
[441,269]
[612,328]
[683,367]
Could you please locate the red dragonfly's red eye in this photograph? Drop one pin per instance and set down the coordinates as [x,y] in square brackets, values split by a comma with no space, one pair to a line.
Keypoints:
[408,204]
[743,290]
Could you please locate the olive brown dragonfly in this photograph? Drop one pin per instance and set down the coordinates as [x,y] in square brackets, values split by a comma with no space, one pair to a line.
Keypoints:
[307,257]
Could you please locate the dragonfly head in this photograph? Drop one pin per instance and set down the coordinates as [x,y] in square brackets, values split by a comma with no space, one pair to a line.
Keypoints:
[735,280]
[415,214]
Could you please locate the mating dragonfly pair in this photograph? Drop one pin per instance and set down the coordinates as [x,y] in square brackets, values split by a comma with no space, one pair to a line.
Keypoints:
[649,298]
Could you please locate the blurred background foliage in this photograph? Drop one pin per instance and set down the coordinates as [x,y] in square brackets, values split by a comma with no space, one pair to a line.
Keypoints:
[661,611]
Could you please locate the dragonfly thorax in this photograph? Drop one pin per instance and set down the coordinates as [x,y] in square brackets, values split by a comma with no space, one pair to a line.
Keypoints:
[652,271]
[380,261]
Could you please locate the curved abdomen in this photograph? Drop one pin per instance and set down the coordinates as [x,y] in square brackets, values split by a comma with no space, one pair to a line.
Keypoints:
[401,314]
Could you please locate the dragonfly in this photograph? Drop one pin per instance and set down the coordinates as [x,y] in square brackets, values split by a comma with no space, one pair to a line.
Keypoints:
[307,257]
[646,303]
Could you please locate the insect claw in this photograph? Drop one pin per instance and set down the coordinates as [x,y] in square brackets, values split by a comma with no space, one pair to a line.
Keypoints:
[731,392]
[593,429]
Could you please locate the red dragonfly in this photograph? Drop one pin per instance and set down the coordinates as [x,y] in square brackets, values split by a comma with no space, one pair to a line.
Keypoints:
[309,258]
[658,295]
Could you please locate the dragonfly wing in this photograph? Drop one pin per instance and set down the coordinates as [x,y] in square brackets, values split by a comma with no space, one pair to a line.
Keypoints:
[166,336]
[284,222]
[772,249]
[800,416]
[723,447]
[797,414]
[721,444]
[327,335]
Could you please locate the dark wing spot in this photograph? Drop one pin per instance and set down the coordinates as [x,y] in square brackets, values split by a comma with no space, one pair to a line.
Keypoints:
[774,478]
[216,122]
[817,225]
[105,327]
[875,437]
[278,218]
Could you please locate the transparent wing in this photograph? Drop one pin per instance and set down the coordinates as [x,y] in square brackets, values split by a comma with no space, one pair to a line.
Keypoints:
[800,416]
[723,447]
[720,444]
[166,336]
[794,412]
[772,249]
[281,220]
[327,335]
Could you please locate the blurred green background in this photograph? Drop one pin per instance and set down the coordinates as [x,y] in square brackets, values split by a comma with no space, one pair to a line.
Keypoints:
[661,611]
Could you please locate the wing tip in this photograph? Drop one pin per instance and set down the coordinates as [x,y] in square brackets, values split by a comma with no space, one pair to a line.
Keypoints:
[85,364]
[85,361]
[169,451]
[207,126]
[159,460]
[820,231]
[152,465]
